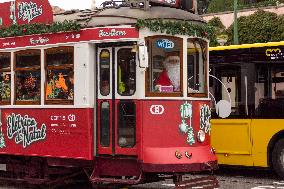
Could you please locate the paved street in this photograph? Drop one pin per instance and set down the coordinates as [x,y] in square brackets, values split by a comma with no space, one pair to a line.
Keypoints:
[229,178]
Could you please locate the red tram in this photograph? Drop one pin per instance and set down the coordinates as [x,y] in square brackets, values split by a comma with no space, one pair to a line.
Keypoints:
[87,90]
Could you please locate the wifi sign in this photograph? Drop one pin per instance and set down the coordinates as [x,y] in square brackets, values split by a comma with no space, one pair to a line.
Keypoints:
[165,44]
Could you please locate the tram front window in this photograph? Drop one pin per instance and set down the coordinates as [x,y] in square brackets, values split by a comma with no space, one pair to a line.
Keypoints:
[196,61]
[165,66]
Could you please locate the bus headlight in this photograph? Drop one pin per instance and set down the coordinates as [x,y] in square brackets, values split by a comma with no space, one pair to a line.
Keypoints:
[201,136]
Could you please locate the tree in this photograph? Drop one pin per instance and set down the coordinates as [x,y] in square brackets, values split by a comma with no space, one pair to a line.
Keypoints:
[260,27]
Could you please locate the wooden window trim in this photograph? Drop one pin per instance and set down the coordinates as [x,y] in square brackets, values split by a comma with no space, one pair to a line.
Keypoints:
[55,50]
[32,68]
[148,92]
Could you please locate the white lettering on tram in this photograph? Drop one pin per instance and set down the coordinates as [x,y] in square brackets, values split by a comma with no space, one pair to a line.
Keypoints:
[112,33]
[24,129]
[157,109]
[40,40]
[29,11]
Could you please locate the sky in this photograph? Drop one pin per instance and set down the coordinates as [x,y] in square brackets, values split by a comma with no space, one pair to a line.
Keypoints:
[70,4]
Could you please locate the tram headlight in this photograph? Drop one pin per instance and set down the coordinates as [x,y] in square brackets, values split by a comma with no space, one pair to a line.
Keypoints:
[201,136]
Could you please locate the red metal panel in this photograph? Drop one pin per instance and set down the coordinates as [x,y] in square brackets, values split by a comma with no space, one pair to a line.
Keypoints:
[64,37]
[66,133]
[162,136]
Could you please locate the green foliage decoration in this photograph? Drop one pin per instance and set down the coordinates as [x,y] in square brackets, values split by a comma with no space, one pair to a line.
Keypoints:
[260,27]
[176,27]
[38,28]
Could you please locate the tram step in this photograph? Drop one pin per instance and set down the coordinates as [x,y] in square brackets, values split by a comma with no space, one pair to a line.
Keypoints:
[116,180]
[209,182]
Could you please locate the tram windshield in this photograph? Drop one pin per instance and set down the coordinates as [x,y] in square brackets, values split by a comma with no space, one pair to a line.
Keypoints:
[165,66]
[196,67]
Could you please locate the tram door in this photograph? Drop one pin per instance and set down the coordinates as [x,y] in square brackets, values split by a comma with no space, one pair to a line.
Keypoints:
[116,128]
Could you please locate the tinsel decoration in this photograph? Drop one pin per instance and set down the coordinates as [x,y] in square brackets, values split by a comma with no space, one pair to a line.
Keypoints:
[38,28]
[176,27]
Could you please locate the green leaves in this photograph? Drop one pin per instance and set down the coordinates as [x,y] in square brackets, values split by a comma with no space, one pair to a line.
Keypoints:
[176,27]
[260,27]
[38,28]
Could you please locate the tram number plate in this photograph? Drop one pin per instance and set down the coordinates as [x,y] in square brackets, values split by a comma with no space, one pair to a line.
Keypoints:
[3,167]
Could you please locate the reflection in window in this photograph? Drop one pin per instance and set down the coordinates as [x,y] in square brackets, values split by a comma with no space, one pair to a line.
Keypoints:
[105,124]
[126,76]
[126,124]
[196,61]
[27,80]
[105,72]
[164,72]
[5,78]
[269,91]
[59,87]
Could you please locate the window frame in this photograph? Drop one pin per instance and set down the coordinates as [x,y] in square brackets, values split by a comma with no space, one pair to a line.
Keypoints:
[148,92]
[8,69]
[32,68]
[206,71]
[47,67]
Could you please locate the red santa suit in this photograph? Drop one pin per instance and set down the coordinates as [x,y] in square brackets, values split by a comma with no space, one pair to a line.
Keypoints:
[163,79]
[171,75]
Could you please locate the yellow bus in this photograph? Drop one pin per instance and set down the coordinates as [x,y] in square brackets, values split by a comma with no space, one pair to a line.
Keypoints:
[247,91]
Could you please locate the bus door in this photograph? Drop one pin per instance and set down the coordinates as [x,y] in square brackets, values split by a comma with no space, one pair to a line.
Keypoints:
[116,130]
[231,131]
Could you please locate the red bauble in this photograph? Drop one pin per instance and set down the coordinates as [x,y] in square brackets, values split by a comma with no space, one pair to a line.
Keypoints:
[24,30]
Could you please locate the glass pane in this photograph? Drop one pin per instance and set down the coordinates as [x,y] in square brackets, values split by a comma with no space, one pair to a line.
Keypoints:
[28,58]
[165,64]
[5,60]
[5,87]
[196,65]
[126,124]
[105,72]
[60,84]
[105,124]
[28,86]
[59,56]
[126,76]
[269,91]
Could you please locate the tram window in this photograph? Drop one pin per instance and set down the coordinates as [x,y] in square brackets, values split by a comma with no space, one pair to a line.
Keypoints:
[105,124]
[163,77]
[104,72]
[27,77]
[126,124]
[59,86]
[126,72]
[196,65]
[5,78]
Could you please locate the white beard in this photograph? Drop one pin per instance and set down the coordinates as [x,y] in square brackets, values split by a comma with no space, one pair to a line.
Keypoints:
[173,71]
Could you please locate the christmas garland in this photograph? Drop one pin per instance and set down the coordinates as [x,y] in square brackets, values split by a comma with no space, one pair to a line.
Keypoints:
[176,27]
[38,28]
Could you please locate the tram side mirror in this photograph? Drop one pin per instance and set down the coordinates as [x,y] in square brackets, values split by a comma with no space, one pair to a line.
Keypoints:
[143,56]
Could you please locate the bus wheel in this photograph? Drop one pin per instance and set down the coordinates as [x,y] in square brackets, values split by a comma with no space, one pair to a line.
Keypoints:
[278,158]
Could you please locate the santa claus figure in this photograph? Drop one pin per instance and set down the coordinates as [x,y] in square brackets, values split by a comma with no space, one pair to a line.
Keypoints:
[171,73]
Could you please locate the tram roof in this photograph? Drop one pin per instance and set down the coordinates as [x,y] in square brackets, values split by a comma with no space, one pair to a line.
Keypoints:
[246,46]
[124,16]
